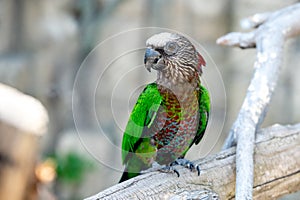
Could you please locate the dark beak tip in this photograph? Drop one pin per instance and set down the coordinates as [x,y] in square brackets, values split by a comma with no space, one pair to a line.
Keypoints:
[150,56]
[148,67]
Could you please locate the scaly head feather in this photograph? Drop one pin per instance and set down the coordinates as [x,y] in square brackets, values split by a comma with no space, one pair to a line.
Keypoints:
[173,56]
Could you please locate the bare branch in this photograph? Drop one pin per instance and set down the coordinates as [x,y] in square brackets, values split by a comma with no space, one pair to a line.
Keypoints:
[269,39]
[284,21]
[243,40]
[255,20]
[277,151]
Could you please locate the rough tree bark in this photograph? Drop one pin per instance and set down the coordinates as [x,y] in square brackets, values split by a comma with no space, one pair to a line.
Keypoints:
[277,172]
[269,37]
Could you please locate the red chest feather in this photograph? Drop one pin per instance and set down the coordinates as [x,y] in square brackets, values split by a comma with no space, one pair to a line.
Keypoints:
[176,121]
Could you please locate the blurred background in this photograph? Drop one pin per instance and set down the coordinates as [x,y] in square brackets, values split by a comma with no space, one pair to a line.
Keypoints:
[83,59]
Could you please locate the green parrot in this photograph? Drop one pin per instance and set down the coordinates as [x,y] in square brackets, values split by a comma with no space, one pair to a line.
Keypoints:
[171,114]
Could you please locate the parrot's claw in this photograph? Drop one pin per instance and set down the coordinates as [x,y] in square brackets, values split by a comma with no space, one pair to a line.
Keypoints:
[187,164]
[171,168]
[198,169]
[168,169]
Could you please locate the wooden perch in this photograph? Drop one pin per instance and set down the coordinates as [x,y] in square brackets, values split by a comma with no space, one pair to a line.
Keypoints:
[277,172]
[269,37]
[22,120]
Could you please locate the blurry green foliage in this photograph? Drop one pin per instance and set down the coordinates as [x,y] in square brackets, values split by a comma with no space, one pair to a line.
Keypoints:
[72,167]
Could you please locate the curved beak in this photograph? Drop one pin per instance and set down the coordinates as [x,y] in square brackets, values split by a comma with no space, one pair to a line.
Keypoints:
[151,58]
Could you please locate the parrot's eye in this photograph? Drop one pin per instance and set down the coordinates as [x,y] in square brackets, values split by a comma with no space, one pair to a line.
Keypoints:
[171,48]
[155,61]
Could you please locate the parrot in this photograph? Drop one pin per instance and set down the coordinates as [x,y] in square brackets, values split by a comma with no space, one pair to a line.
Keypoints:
[171,114]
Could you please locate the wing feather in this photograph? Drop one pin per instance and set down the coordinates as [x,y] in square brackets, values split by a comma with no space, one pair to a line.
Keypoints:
[204,107]
[142,115]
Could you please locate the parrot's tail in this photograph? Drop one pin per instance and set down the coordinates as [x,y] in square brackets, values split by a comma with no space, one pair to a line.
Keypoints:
[126,176]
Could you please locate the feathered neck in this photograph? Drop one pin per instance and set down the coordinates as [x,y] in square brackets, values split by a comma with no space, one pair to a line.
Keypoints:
[179,79]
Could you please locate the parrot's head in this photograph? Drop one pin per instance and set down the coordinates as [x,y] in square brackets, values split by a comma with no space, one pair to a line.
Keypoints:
[170,51]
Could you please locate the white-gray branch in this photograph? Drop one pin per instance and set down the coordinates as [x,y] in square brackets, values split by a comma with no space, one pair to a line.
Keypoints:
[269,37]
[277,172]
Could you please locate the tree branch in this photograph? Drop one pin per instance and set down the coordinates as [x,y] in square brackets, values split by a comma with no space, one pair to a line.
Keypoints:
[273,29]
[277,172]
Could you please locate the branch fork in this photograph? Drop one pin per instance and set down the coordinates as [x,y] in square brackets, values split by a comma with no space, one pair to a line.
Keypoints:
[271,31]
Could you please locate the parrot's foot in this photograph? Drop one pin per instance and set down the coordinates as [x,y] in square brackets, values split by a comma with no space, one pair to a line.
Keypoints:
[187,164]
[171,168]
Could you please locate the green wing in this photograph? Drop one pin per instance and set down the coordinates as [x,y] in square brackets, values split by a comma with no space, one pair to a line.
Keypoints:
[143,114]
[204,107]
